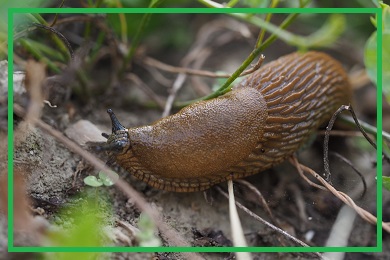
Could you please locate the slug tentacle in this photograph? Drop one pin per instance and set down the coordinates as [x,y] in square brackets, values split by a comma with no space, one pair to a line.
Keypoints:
[258,124]
[119,138]
[116,125]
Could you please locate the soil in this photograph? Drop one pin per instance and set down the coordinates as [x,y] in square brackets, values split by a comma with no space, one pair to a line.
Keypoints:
[54,179]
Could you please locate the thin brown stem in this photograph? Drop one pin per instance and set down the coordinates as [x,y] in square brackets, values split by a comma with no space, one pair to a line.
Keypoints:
[203,73]
[367,216]
[274,228]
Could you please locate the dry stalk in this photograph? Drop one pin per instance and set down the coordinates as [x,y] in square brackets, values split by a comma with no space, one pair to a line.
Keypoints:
[367,216]
[146,89]
[235,225]
[261,199]
[195,72]
[258,218]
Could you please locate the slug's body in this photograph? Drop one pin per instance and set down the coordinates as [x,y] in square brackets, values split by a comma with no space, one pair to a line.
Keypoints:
[258,124]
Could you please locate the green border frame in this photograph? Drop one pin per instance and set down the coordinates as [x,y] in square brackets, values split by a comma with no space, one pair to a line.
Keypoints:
[12,11]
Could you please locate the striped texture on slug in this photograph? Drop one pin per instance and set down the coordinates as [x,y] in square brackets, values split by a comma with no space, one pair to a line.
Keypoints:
[257,125]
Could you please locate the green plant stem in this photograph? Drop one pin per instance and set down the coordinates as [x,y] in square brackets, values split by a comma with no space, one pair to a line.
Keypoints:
[371,130]
[135,42]
[385,149]
[60,44]
[3,43]
[59,38]
[137,37]
[232,3]
[38,17]
[96,48]
[98,3]
[277,32]
[367,127]
[210,4]
[37,54]
[326,35]
[123,23]
[56,16]
[267,19]
[46,50]
[226,86]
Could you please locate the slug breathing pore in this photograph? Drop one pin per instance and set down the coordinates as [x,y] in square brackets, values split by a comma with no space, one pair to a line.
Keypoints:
[258,124]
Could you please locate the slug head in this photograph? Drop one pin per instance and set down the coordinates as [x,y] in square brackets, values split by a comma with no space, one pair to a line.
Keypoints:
[119,138]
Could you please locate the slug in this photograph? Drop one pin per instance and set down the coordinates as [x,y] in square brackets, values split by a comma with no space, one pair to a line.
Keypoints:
[258,124]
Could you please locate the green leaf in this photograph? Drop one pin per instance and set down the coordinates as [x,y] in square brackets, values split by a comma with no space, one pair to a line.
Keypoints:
[18,19]
[327,34]
[386,182]
[257,3]
[370,60]
[93,181]
[373,21]
[83,226]
[370,54]
[106,180]
[146,236]
[386,17]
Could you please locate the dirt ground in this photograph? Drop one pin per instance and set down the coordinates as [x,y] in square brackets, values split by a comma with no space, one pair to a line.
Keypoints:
[54,175]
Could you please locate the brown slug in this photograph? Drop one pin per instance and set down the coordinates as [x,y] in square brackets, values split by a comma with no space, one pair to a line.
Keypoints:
[258,124]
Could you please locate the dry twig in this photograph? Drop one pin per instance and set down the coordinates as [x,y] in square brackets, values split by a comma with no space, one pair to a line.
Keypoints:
[258,218]
[145,88]
[367,216]
[260,197]
[203,73]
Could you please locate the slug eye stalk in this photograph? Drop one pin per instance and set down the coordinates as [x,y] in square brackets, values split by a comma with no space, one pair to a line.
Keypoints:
[116,125]
[118,139]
